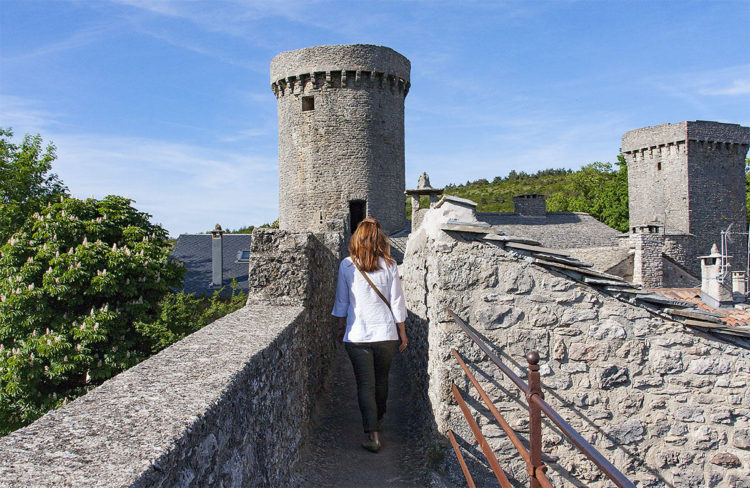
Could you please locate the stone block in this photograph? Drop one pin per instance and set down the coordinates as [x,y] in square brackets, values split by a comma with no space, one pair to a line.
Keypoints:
[499,316]
[741,438]
[580,351]
[713,366]
[609,329]
[704,438]
[689,414]
[665,361]
[573,316]
[612,376]
[628,432]
[726,460]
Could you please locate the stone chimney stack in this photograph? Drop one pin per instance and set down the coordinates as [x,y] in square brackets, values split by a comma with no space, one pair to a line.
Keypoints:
[648,268]
[217,258]
[530,205]
[739,285]
[423,188]
[715,289]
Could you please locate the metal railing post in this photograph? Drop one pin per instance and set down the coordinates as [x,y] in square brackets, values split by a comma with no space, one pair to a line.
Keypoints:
[535,420]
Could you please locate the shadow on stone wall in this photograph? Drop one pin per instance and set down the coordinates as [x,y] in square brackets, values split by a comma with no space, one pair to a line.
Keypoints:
[551,434]
[666,405]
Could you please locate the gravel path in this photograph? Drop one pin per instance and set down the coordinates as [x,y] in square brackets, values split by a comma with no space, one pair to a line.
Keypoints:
[332,455]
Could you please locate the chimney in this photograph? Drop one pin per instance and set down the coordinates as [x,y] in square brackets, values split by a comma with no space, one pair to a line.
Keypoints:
[739,285]
[423,188]
[715,291]
[648,267]
[217,258]
[530,205]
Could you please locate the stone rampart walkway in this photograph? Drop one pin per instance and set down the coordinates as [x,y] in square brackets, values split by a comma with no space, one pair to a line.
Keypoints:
[332,456]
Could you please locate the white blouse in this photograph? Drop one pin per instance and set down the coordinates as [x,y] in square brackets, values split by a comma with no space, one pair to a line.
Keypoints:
[368,318]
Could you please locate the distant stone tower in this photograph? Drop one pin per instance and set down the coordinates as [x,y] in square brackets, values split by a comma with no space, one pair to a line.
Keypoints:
[341,136]
[689,177]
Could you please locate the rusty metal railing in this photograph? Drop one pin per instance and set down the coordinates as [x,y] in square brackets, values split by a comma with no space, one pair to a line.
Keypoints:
[537,406]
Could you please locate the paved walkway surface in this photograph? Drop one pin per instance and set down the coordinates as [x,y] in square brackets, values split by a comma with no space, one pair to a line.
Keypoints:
[332,455]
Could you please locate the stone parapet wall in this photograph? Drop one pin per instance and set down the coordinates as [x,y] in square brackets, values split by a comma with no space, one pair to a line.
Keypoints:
[226,406]
[654,137]
[667,405]
[352,57]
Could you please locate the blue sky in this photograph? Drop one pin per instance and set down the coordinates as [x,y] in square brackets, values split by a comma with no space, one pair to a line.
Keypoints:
[168,101]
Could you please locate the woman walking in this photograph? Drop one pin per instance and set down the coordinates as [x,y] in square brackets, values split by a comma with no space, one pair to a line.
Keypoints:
[371,314]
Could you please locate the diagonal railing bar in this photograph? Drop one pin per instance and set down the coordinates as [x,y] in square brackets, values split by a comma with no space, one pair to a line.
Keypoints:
[590,451]
[504,424]
[464,468]
[490,354]
[537,405]
[486,450]
[493,410]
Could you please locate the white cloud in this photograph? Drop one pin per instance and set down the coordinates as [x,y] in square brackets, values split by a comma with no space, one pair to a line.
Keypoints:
[735,88]
[694,87]
[187,188]
[25,115]
[78,39]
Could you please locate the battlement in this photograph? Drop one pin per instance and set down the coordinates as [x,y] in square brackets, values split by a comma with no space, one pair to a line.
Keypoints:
[355,66]
[715,136]
[353,79]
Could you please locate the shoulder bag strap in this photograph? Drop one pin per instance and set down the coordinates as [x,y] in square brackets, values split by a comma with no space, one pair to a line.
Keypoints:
[372,284]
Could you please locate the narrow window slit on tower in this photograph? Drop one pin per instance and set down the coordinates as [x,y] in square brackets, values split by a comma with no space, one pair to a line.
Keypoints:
[308,103]
[357,213]
[658,166]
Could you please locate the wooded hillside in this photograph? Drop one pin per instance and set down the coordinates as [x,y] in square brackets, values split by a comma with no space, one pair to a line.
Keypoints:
[600,189]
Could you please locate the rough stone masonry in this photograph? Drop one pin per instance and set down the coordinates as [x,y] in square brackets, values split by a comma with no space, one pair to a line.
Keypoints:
[341,135]
[690,177]
[668,405]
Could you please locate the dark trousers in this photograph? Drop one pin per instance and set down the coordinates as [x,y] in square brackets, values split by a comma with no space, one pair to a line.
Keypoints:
[371,362]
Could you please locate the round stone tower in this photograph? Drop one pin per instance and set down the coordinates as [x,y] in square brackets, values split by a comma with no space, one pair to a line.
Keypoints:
[341,136]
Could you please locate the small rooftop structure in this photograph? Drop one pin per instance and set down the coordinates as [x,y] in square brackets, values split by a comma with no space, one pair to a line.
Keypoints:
[423,188]
[530,205]
[213,260]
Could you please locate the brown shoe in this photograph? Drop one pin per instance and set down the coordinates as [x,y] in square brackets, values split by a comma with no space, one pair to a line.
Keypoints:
[371,445]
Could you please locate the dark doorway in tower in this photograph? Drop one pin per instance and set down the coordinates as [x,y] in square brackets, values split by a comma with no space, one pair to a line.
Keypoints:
[357,213]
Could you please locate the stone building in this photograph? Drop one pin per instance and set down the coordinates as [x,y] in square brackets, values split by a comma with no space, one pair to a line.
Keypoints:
[690,178]
[341,136]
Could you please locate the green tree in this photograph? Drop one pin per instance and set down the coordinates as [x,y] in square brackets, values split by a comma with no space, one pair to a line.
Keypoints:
[26,183]
[181,314]
[599,189]
[74,279]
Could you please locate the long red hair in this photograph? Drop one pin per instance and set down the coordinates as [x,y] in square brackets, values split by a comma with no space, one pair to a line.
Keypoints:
[368,243]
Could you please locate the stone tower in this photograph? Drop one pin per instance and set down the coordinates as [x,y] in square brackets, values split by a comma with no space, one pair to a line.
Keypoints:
[341,136]
[690,178]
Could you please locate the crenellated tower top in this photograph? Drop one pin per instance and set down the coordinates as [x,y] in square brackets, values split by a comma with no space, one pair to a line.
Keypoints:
[356,66]
[341,136]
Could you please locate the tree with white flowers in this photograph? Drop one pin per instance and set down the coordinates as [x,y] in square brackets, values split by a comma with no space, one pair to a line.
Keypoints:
[74,281]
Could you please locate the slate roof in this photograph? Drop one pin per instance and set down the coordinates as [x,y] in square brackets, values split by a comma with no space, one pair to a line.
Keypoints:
[398,244]
[679,305]
[732,316]
[561,230]
[603,258]
[194,250]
